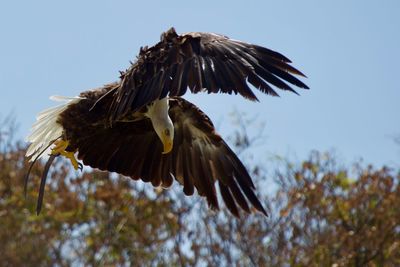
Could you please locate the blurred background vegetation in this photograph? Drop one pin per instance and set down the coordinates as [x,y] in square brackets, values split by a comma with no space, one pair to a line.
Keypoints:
[321,214]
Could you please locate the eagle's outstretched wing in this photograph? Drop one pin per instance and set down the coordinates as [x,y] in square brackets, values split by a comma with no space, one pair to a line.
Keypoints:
[201,62]
[199,159]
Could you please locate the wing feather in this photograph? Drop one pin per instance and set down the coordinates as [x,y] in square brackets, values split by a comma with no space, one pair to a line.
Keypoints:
[240,199]
[203,62]
[228,199]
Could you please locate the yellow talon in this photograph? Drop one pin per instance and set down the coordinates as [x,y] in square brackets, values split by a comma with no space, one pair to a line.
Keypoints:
[71,157]
[59,148]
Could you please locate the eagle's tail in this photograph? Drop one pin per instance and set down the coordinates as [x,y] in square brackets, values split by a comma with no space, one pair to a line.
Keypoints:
[46,129]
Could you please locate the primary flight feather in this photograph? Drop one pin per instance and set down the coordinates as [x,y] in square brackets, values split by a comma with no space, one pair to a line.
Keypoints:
[141,127]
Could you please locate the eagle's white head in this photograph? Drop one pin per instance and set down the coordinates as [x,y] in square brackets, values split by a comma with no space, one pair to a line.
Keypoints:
[158,113]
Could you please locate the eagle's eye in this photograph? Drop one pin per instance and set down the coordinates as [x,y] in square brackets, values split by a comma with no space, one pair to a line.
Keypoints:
[167,132]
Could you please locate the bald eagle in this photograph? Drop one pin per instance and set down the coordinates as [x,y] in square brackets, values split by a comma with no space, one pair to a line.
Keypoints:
[141,127]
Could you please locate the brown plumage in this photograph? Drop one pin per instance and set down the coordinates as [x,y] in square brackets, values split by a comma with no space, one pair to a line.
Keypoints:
[199,158]
[201,62]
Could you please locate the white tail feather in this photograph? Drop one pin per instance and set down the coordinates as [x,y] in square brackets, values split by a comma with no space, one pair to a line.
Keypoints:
[46,129]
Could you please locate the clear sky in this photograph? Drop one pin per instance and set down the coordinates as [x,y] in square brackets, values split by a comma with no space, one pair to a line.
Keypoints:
[348,49]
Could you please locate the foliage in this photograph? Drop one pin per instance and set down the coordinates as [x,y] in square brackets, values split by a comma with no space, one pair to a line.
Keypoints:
[334,217]
[320,215]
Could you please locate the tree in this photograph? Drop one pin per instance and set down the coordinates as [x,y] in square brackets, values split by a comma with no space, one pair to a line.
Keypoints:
[334,217]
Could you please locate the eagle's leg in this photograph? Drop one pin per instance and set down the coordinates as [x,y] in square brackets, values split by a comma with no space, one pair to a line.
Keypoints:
[59,148]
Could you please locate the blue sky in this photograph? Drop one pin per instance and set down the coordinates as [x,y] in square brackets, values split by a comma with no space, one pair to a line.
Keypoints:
[348,49]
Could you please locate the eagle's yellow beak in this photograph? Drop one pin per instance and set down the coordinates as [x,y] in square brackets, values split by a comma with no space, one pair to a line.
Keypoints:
[167,141]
